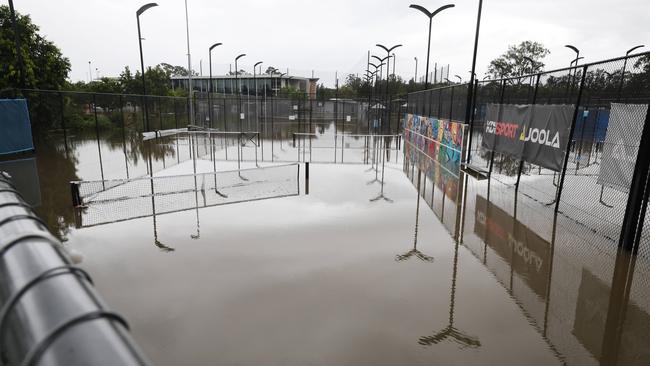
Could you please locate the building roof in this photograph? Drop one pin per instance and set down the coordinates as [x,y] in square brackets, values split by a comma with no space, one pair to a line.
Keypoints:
[248,76]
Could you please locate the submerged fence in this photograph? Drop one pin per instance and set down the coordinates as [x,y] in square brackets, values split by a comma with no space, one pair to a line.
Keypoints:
[567,140]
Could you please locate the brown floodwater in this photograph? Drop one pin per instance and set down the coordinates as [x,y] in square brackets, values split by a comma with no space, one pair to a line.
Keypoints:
[331,278]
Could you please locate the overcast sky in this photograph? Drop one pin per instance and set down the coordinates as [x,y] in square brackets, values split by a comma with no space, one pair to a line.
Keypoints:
[331,35]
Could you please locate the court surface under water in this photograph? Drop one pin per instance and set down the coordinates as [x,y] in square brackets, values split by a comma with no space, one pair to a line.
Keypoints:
[328,278]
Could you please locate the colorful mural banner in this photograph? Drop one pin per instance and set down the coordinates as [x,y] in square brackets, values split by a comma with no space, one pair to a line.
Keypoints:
[435,146]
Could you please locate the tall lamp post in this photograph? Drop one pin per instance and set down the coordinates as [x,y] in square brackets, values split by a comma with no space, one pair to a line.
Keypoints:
[377,74]
[415,78]
[238,88]
[381,63]
[189,65]
[210,88]
[142,9]
[577,51]
[257,117]
[460,80]
[620,84]
[469,109]
[430,15]
[19,54]
[279,83]
[388,51]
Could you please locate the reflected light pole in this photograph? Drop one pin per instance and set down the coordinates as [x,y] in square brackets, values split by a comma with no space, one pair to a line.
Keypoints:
[144,88]
[430,15]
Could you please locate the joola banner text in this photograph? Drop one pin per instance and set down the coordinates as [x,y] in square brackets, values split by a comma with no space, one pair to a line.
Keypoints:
[538,134]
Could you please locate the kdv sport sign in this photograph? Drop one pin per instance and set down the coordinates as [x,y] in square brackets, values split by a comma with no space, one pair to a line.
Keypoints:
[535,133]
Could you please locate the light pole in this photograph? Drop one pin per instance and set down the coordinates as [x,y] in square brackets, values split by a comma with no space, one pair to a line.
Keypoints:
[415,78]
[620,85]
[577,51]
[90,73]
[257,117]
[189,64]
[388,51]
[430,15]
[142,9]
[369,79]
[381,63]
[238,88]
[469,109]
[460,80]
[255,76]
[210,88]
[19,54]
[279,83]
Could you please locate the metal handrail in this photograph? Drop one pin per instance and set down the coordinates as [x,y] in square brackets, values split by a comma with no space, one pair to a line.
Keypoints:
[38,324]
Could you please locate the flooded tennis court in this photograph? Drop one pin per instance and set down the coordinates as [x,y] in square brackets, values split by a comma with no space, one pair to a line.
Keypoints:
[333,277]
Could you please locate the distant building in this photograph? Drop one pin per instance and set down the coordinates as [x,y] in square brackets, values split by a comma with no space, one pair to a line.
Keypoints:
[258,85]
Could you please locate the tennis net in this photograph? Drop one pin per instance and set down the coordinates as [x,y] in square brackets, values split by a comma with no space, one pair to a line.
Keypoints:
[218,187]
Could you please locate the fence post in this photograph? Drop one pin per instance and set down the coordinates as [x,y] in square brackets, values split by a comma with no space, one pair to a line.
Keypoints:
[76,197]
[571,132]
[637,200]
[65,134]
[160,117]
[470,120]
[521,161]
[175,114]
[126,160]
[451,104]
[306,178]
[99,147]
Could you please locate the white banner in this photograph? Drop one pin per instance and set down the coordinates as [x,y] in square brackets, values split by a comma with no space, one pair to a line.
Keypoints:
[621,145]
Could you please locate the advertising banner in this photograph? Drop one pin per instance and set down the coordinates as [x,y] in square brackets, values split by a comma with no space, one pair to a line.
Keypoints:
[527,252]
[435,146]
[16,128]
[535,133]
[621,145]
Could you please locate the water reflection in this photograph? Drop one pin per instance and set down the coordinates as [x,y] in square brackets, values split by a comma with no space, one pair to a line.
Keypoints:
[589,300]
[415,252]
[450,332]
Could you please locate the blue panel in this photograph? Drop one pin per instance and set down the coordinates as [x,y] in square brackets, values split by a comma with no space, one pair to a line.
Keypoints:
[15,128]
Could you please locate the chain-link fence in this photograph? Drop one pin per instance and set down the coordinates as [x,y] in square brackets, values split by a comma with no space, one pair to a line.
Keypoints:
[555,191]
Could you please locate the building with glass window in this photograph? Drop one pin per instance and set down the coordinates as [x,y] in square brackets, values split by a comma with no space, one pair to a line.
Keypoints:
[264,84]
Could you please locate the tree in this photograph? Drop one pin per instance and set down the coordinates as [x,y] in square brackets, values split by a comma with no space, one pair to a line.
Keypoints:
[173,70]
[514,63]
[271,70]
[44,65]
[129,83]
